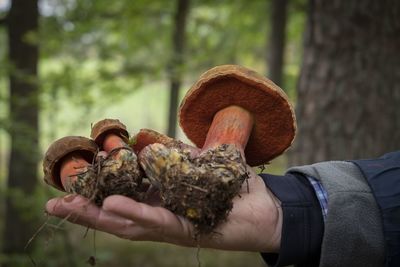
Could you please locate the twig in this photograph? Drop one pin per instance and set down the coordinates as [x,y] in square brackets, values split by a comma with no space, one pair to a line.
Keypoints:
[37,232]
[195,187]
[247,183]
[33,237]
[198,255]
[262,168]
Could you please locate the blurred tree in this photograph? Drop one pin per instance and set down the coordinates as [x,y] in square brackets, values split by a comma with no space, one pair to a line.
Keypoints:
[349,88]
[276,44]
[177,62]
[227,32]
[3,100]
[94,53]
[98,52]
[22,25]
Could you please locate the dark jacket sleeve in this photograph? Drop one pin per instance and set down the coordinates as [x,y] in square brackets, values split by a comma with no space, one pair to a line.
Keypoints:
[302,225]
[383,176]
[353,233]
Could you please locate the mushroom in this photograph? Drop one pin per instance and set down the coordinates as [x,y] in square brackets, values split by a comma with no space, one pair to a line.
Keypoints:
[237,117]
[147,137]
[231,104]
[110,135]
[73,164]
[68,161]
[119,172]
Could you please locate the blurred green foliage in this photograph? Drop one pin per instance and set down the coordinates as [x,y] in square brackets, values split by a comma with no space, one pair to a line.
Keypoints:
[109,59]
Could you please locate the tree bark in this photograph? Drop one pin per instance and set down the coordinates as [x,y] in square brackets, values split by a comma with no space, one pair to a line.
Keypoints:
[349,87]
[276,44]
[177,62]
[22,177]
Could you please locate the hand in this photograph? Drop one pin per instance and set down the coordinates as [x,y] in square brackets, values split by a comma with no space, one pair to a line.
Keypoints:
[254,224]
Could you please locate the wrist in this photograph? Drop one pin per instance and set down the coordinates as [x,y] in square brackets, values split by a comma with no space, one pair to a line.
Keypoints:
[254,223]
[265,217]
[275,221]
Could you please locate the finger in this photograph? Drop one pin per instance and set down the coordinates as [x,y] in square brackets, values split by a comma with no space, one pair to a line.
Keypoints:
[130,209]
[80,210]
[125,218]
[165,225]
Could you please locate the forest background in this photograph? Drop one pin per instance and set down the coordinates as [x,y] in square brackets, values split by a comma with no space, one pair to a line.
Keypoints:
[66,64]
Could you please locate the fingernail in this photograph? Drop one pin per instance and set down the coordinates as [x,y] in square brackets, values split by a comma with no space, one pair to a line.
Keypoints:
[50,205]
[69,198]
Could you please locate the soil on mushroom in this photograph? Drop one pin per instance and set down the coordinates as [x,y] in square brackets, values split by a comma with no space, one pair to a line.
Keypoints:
[110,176]
[201,188]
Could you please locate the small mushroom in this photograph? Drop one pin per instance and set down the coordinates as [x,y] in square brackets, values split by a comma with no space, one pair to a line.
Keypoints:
[110,134]
[147,137]
[236,117]
[119,172]
[66,159]
[73,164]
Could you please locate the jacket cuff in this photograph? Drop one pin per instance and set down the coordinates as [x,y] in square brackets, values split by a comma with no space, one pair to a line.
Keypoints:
[302,224]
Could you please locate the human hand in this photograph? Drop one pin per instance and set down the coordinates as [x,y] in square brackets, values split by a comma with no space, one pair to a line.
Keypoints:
[254,224]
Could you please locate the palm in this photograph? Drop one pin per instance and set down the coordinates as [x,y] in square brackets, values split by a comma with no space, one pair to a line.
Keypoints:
[254,212]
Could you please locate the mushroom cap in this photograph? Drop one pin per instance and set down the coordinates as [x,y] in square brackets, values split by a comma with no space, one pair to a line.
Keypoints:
[106,126]
[59,149]
[147,137]
[274,126]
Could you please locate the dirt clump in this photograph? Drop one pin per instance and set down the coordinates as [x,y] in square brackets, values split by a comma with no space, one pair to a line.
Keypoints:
[110,176]
[199,188]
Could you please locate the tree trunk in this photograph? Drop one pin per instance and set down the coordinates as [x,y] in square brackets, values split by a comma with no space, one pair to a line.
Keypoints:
[22,24]
[276,44]
[349,87]
[177,62]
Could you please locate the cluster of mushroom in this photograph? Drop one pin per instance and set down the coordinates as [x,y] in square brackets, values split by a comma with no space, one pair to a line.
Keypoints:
[234,116]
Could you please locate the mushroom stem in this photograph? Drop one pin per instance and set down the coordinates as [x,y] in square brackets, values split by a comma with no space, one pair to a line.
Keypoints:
[72,165]
[113,141]
[231,125]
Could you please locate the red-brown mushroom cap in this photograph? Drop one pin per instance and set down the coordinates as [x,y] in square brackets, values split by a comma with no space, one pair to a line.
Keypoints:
[222,86]
[61,148]
[147,137]
[107,126]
